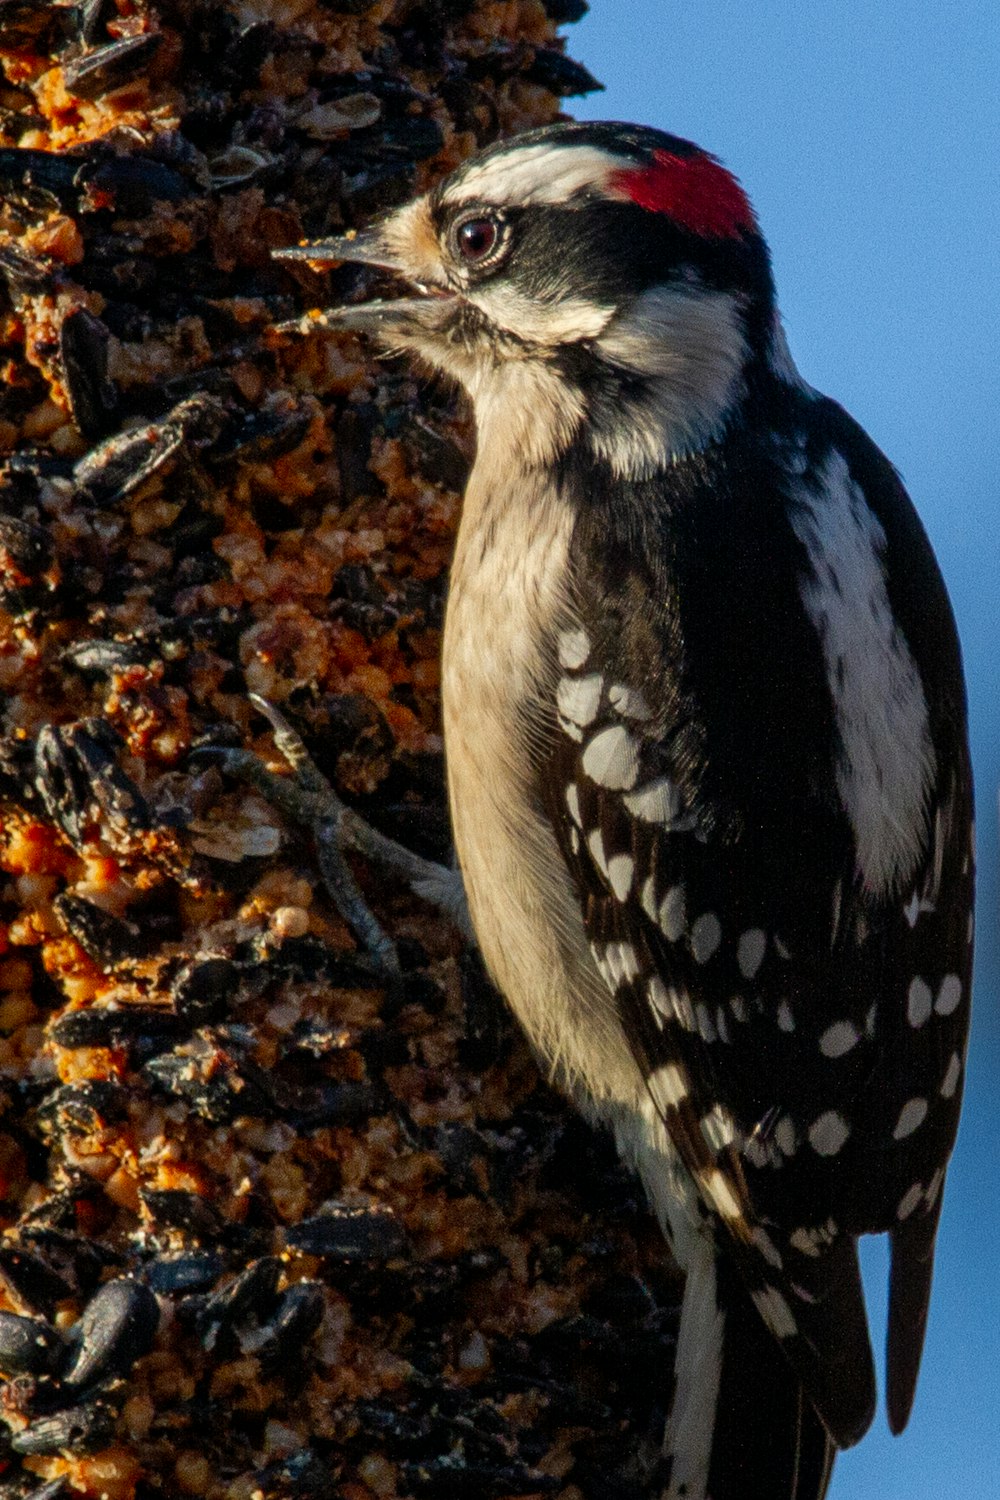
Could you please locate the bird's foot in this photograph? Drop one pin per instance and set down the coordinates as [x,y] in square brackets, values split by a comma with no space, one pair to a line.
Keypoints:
[308,799]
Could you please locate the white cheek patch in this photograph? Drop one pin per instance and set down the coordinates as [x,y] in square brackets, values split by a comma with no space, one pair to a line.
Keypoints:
[682,332]
[553,322]
[688,344]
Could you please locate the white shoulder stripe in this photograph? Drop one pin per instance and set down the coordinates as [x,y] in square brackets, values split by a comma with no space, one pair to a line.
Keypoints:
[886,756]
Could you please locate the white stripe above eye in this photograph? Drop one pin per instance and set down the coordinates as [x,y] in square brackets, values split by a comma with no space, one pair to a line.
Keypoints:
[546,173]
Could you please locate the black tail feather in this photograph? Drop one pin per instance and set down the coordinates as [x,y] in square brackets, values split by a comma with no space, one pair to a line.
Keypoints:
[909,1298]
[768,1443]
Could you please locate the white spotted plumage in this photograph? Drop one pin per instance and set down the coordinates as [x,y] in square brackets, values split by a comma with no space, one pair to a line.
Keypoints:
[919,1002]
[953,1072]
[609,759]
[706,935]
[828,1132]
[579,698]
[911,1117]
[707,763]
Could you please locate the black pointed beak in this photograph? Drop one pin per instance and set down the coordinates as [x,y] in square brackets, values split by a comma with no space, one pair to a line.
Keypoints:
[378,316]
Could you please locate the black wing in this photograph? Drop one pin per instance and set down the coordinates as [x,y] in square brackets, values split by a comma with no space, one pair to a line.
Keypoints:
[802,1036]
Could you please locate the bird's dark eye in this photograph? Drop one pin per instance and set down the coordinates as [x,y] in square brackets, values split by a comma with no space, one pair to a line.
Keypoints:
[476,239]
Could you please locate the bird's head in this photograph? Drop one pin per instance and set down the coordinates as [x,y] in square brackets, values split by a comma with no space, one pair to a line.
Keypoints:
[597,279]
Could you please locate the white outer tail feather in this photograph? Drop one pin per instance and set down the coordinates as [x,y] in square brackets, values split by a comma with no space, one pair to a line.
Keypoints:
[687,1440]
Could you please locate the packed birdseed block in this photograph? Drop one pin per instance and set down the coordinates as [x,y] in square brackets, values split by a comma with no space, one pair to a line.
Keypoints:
[270,1225]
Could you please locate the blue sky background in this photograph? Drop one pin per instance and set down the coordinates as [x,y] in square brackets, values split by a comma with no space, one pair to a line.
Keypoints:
[868,136]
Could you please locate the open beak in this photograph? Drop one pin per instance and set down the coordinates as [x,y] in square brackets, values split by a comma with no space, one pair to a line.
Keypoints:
[378,316]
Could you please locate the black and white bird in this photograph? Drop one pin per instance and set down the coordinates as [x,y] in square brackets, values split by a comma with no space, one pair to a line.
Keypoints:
[708,770]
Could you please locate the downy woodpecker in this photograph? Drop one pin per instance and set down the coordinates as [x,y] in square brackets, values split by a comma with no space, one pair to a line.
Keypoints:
[708,772]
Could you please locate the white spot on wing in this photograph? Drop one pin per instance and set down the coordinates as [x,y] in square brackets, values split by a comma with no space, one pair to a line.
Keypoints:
[919,1002]
[684,1010]
[839,1038]
[579,698]
[910,1200]
[786,1020]
[617,962]
[933,1188]
[704,1022]
[659,999]
[719,1128]
[574,648]
[706,935]
[610,759]
[887,760]
[786,1136]
[758,1153]
[595,843]
[673,1005]
[911,1117]
[621,868]
[628,702]
[668,1085]
[659,802]
[767,1247]
[949,995]
[750,951]
[573,803]
[828,1133]
[672,915]
[949,1082]
[647,898]
[717,1189]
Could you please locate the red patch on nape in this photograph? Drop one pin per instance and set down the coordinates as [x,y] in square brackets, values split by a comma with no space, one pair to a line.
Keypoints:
[695,191]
